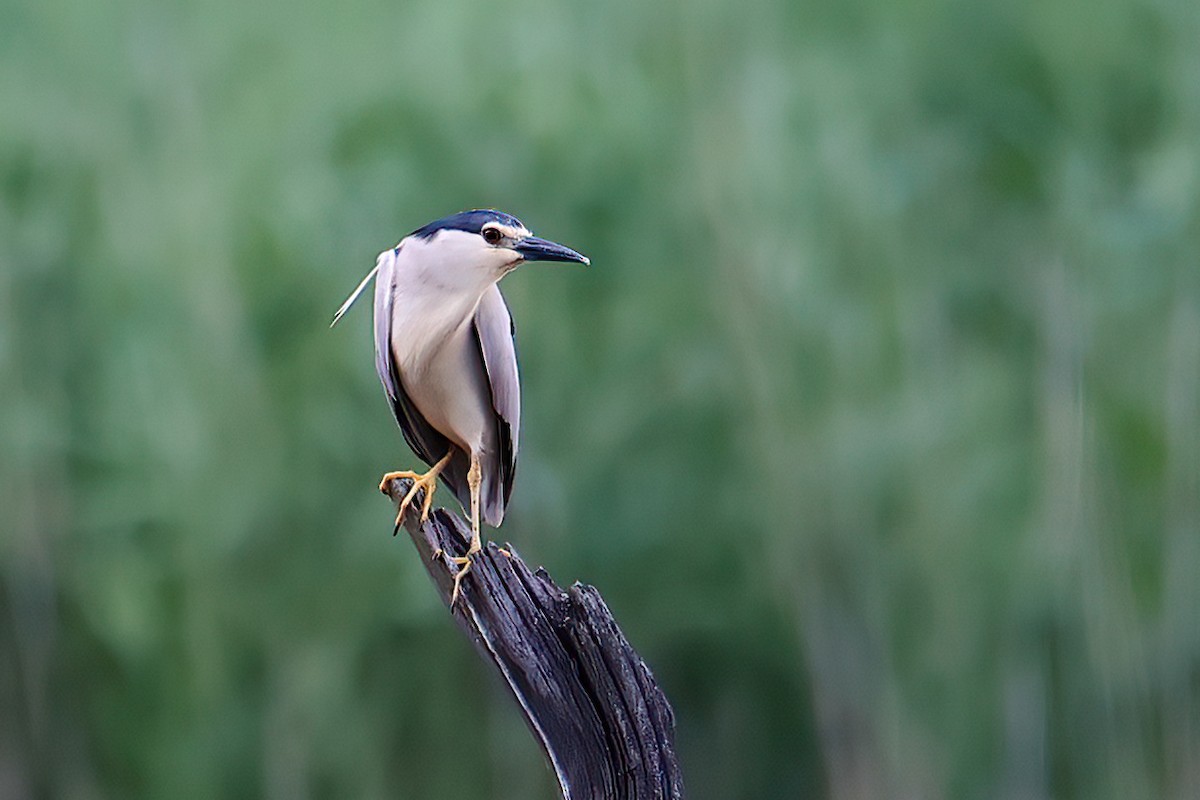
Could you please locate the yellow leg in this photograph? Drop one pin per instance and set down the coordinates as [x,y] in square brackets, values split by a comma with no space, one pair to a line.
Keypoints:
[427,481]
[473,481]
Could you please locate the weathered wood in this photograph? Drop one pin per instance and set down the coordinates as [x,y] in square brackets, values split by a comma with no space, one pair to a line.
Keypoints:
[589,699]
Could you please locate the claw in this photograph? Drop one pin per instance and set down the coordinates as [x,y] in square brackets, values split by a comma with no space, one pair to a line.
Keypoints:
[426,481]
[465,562]
[458,576]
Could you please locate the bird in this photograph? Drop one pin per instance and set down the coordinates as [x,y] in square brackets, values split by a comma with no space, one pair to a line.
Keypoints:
[446,356]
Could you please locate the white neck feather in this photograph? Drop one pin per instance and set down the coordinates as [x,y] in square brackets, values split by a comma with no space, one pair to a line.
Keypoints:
[438,285]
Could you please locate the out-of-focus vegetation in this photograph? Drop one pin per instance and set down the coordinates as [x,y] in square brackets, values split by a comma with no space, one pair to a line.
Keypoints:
[876,420]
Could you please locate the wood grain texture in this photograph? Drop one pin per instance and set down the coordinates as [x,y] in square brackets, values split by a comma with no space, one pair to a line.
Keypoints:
[589,699]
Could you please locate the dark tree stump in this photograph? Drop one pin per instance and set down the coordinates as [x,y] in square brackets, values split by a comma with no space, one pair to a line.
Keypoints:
[589,699]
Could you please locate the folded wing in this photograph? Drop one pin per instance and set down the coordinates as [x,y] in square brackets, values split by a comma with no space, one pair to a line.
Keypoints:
[494,331]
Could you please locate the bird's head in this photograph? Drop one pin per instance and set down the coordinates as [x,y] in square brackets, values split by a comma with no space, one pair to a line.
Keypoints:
[466,253]
[489,242]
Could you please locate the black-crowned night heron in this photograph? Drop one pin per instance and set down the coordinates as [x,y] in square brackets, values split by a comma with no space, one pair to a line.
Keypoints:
[444,352]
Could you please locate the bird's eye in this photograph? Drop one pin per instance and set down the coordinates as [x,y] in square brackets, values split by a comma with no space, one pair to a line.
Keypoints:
[491,235]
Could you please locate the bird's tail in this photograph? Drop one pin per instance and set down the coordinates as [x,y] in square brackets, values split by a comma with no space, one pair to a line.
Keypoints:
[492,501]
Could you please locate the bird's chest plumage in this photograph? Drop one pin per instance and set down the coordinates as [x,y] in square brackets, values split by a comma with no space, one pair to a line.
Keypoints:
[434,346]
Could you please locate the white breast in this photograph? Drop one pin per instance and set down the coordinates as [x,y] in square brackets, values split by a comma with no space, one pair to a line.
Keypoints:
[433,344]
[449,387]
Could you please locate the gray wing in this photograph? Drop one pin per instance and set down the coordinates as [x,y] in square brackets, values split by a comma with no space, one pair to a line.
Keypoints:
[425,440]
[494,331]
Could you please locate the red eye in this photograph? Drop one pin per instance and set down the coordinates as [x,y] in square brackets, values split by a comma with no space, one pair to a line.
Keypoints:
[491,235]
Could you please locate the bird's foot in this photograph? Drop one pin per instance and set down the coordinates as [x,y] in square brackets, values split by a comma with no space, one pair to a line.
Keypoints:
[464,563]
[426,481]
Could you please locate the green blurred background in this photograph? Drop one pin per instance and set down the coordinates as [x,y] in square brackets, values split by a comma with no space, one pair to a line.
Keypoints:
[876,419]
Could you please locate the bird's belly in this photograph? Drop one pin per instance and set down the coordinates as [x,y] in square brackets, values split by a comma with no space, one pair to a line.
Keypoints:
[449,387]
